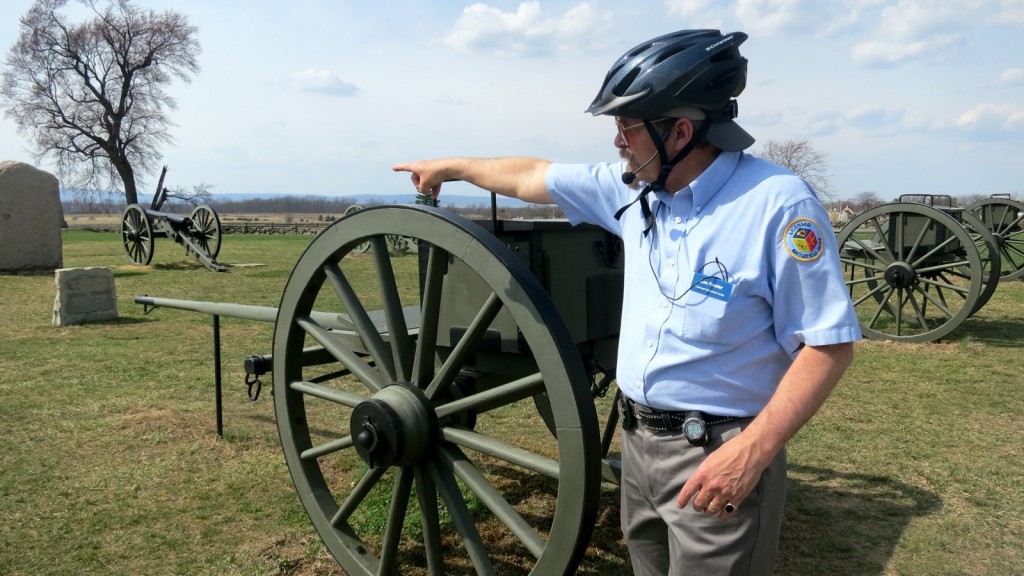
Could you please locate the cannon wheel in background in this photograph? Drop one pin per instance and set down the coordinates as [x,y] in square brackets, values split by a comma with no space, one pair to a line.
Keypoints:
[900,291]
[365,246]
[206,227]
[1005,219]
[394,433]
[988,249]
[137,235]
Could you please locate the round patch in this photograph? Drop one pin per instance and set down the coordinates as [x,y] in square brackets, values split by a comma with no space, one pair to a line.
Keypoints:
[804,240]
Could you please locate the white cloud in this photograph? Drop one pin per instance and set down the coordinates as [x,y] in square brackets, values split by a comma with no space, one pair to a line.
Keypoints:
[709,13]
[930,30]
[527,31]
[324,82]
[874,117]
[1008,12]
[881,53]
[932,48]
[824,124]
[915,19]
[1011,77]
[770,17]
[993,118]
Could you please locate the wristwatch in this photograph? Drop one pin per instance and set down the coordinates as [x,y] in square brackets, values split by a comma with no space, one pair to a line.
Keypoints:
[694,428]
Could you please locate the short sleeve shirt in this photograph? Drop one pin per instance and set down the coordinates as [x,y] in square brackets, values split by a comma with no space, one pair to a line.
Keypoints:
[739,271]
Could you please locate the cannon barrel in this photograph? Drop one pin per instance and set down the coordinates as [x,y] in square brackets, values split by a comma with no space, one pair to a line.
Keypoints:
[240,311]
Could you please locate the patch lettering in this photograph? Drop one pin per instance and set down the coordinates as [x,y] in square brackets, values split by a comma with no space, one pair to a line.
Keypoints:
[804,240]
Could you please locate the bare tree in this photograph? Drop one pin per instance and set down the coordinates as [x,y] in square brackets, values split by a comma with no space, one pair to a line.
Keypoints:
[803,159]
[92,96]
[865,201]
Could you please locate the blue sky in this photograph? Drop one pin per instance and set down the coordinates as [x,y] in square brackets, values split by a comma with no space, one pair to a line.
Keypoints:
[323,97]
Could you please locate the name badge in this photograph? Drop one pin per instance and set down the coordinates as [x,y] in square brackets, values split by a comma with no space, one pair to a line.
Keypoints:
[711,286]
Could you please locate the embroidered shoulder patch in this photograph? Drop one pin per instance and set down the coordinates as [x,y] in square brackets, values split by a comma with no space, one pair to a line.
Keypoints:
[804,240]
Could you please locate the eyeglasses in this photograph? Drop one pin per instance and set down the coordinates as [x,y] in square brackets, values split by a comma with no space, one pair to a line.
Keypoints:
[623,130]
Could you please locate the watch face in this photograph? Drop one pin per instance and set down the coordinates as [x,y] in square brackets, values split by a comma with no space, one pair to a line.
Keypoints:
[693,429]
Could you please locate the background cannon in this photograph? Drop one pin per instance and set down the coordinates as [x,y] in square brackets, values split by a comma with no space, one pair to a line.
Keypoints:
[1005,219]
[917,268]
[199,233]
[400,409]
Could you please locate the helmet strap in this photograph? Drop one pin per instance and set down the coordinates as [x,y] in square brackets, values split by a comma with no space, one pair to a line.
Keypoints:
[666,169]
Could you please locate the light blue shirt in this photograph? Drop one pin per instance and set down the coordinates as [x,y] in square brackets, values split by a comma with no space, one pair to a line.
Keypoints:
[739,272]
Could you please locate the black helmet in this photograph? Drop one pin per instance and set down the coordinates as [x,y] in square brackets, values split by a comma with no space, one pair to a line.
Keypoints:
[699,68]
[687,74]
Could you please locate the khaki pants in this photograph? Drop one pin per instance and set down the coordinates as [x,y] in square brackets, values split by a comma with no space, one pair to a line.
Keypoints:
[665,540]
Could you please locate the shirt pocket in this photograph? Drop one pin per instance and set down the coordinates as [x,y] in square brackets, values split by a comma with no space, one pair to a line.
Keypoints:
[710,319]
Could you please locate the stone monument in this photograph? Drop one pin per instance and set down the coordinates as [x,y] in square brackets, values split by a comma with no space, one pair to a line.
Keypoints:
[84,295]
[30,219]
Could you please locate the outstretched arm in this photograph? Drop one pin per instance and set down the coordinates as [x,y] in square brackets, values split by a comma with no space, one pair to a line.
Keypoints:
[516,177]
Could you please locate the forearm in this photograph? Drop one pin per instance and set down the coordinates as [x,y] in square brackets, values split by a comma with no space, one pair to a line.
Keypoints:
[516,177]
[804,388]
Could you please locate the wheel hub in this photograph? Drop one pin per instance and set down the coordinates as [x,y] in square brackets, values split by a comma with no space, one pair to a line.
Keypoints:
[900,274]
[396,427]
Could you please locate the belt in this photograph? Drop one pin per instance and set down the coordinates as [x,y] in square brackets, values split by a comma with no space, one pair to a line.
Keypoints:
[664,421]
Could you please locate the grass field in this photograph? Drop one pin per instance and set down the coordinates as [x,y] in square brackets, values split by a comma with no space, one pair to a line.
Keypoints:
[109,463]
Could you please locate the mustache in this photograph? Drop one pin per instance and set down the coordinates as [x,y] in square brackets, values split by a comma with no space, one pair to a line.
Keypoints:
[631,165]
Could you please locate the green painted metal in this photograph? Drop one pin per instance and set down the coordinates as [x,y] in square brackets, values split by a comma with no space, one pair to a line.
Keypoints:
[1005,219]
[137,235]
[347,440]
[206,230]
[914,272]
[199,234]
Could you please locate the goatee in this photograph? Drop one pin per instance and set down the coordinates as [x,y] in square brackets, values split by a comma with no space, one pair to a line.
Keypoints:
[630,166]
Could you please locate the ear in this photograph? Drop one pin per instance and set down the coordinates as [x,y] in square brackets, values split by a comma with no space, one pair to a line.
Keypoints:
[683,131]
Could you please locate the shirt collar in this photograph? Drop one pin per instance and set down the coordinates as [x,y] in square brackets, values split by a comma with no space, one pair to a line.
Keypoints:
[710,181]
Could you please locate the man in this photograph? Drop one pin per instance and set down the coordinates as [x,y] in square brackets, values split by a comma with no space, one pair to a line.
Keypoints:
[736,324]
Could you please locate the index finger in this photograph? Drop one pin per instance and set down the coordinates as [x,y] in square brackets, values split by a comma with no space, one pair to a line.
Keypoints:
[689,490]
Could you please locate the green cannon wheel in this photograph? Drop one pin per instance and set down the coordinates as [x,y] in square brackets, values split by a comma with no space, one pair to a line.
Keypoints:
[914,272]
[405,459]
[206,230]
[988,250]
[1005,219]
[137,235]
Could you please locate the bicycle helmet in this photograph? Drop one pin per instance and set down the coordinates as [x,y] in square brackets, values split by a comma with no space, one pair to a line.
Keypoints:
[674,74]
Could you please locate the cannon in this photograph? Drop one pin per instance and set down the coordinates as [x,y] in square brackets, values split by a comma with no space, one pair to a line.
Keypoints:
[1005,219]
[447,419]
[199,233]
[917,268]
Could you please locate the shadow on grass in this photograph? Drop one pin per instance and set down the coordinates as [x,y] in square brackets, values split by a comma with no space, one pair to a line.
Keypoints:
[1002,333]
[183,265]
[841,523]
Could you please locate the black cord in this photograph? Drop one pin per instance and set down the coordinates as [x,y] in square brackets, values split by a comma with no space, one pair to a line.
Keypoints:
[721,274]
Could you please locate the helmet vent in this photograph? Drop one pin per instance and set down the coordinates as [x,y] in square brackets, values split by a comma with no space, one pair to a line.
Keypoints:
[666,54]
[623,85]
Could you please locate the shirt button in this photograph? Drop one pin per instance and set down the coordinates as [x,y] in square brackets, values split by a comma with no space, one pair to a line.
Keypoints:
[679,220]
[698,209]
[650,343]
[638,383]
[664,304]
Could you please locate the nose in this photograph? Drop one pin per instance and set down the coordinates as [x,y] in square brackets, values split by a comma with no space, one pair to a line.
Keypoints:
[620,140]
